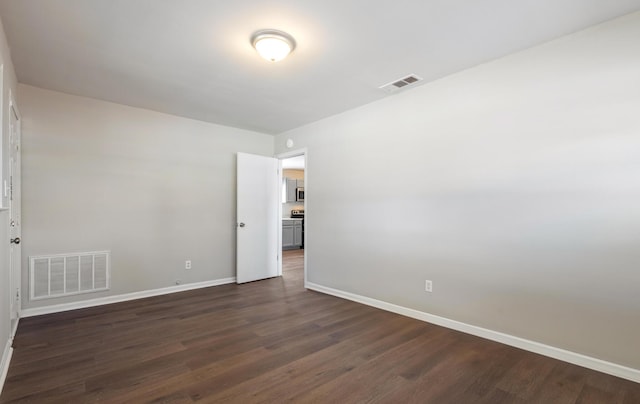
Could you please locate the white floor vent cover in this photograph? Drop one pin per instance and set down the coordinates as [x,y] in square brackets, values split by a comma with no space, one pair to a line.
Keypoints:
[68,274]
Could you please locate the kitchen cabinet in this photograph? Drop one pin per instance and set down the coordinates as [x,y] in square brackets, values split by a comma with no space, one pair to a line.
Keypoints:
[297,234]
[287,236]
[290,185]
[290,189]
[291,234]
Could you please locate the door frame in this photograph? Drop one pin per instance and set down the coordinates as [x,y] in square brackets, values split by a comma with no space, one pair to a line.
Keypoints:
[15,268]
[282,156]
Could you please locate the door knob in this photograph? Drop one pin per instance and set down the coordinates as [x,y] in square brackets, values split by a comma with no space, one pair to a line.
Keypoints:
[241,224]
[15,240]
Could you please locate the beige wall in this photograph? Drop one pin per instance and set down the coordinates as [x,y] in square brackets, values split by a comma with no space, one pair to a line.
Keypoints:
[152,188]
[513,186]
[297,174]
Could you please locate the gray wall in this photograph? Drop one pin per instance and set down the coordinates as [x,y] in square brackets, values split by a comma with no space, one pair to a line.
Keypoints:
[514,186]
[154,189]
[8,84]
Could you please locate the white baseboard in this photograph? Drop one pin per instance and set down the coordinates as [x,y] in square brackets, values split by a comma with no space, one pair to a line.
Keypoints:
[14,330]
[37,311]
[4,365]
[528,345]
[6,356]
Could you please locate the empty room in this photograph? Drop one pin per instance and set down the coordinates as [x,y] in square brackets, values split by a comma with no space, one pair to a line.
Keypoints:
[320,201]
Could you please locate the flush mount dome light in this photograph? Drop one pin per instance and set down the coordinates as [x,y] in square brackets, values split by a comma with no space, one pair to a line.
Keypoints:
[272,44]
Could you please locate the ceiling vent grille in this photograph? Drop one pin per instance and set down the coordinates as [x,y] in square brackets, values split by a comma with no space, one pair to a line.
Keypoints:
[396,85]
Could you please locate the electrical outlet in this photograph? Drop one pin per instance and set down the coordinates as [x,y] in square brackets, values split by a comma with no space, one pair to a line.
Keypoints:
[187,264]
[428,286]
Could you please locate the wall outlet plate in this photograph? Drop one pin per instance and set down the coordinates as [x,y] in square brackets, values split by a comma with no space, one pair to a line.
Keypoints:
[187,264]
[428,286]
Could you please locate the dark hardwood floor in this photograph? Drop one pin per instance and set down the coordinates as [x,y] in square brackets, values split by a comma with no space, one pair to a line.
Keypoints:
[273,342]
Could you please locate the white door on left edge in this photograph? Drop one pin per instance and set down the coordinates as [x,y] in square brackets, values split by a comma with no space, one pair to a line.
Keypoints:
[15,220]
[257,218]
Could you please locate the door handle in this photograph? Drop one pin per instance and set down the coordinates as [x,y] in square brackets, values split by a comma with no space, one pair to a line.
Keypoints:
[15,240]
[241,224]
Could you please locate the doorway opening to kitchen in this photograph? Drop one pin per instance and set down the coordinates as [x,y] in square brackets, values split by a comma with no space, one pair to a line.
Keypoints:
[294,229]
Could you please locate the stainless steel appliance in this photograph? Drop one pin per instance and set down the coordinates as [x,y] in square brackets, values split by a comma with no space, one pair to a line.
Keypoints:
[300,194]
[299,213]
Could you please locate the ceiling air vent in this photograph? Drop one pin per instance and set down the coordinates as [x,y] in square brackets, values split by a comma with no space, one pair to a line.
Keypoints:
[398,84]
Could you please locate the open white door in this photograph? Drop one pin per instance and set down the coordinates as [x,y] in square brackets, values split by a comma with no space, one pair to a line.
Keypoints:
[14,215]
[258,202]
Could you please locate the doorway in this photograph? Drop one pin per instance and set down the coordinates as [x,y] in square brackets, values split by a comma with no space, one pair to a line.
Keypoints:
[294,229]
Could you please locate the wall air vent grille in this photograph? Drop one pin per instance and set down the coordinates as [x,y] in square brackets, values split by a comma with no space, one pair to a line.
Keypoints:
[396,85]
[68,274]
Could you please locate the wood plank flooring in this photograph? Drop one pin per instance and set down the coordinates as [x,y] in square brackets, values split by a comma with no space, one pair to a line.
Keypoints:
[273,342]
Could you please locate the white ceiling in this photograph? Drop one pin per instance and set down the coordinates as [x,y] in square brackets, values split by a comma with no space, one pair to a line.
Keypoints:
[193,57]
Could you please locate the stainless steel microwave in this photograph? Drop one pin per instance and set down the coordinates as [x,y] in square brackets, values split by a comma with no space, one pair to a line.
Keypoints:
[300,194]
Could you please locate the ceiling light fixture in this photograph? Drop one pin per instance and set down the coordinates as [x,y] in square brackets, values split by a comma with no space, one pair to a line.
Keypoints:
[272,44]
